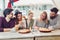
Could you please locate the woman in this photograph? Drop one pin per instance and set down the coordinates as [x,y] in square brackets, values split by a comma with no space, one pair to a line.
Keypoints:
[20,23]
[30,20]
[42,22]
[7,22]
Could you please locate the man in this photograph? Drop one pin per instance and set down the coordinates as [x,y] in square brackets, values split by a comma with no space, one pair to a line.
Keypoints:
[54,19]
[7,22]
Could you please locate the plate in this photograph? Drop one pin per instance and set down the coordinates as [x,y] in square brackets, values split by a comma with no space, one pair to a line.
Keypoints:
[45,30]
[24,31]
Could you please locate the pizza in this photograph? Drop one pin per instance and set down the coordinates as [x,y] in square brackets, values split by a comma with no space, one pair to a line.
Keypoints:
[24,31]
[44,30]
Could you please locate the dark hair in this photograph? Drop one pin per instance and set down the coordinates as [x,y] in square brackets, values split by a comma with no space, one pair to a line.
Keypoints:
[7,11]
[16,13]
[54,10]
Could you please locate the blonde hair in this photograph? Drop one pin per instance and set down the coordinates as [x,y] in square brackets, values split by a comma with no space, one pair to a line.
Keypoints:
[46,19]
[30,12]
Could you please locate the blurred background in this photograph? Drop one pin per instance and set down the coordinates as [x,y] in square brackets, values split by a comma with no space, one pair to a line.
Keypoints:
[36,6]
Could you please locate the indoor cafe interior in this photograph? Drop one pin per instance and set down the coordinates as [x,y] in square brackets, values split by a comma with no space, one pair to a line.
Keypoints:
[29,20]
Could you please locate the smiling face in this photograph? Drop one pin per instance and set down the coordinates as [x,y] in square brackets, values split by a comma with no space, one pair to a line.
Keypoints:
[43,16]
[10,15]
[52,15]
[30,16]
[19,16]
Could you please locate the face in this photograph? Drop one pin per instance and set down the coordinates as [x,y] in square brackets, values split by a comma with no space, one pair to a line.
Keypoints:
[19,16]
[10,15]
[52,15]
[30,16]
[42,16]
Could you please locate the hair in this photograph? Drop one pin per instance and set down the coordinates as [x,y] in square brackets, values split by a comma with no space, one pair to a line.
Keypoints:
[46,20]
[54,10]
[30,13]
[16,13]
[45,14]
[7,11]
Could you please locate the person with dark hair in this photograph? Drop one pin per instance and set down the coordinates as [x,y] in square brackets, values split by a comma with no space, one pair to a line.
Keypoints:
[19,22]
[54,19]
[7,22]
[7,12]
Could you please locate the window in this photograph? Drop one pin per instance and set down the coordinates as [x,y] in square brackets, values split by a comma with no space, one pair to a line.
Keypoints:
[1,5]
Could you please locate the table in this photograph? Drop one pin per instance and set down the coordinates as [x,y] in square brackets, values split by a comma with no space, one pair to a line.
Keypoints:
[54,35]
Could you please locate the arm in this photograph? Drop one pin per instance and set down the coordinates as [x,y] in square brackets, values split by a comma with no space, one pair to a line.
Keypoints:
[7,29]
[20,25]
[57,26]
[35,25]
[12,25]
[1,26]
[2,29]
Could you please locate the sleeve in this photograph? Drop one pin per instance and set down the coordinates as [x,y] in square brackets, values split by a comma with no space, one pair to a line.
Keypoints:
[34,24]
[1,27]
[24,23]
[13,22]
[47,25]
[57,26]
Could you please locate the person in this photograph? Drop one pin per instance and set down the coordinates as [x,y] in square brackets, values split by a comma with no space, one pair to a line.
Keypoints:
[20,22]
[42,22]
[7,22]
[54,19]
[30,20]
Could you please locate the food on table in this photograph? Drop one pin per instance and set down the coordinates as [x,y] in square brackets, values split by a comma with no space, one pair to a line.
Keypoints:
[44,30]
[23,31]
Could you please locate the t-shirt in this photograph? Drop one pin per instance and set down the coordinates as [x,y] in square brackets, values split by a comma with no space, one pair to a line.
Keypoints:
[5,24]
[55,23]
[41,24]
